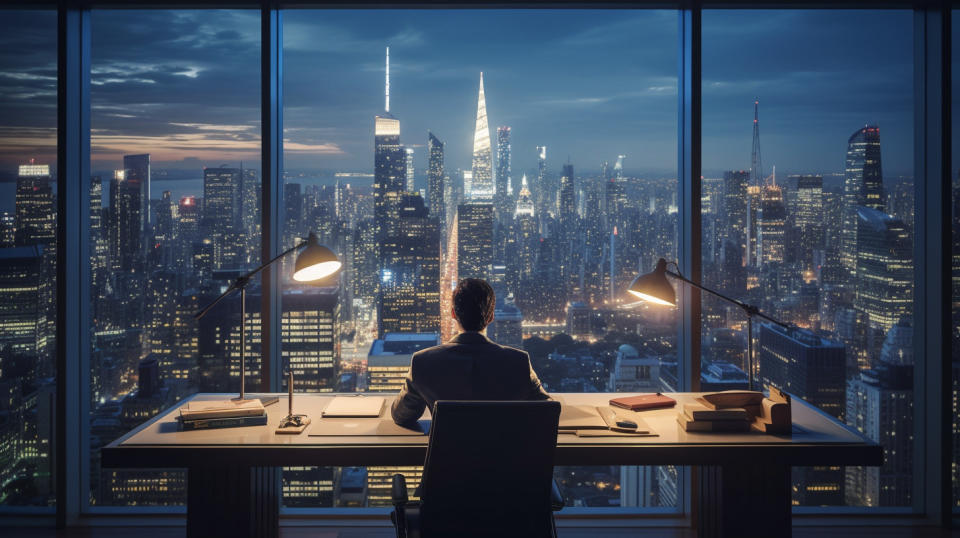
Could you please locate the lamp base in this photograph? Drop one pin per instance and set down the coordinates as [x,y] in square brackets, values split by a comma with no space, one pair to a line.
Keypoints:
[293,424]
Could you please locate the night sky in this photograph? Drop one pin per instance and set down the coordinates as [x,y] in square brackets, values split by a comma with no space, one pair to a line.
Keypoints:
[589,84]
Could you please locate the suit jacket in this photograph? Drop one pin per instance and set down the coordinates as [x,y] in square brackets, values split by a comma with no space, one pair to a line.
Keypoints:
[468,367]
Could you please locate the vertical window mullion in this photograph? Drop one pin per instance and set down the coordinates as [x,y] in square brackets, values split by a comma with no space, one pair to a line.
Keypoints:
[932,250]
[688,221]
[689,167]
[73,270]
[271,108]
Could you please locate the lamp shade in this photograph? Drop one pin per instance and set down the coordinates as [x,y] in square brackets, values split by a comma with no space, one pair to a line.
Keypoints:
[654,286]
[315,261]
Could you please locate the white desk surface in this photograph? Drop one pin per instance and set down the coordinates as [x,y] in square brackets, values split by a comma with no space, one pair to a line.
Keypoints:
[817,439]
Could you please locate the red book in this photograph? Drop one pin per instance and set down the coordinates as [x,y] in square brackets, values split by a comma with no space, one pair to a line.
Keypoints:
[644,401]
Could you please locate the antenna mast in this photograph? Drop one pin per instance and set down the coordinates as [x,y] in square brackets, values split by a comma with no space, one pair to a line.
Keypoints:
[387,104]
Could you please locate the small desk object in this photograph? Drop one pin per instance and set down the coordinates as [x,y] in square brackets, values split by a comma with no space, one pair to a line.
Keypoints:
[233,489]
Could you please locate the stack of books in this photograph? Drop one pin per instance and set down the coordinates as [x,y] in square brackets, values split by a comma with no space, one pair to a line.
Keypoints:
[730,411]
[202,415]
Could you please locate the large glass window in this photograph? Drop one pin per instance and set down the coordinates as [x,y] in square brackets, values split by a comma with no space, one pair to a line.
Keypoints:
[539,154]
[28,219]
[808,214]
[174,217]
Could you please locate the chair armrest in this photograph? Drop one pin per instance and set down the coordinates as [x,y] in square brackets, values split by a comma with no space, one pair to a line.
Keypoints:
[398,490]
[556,498]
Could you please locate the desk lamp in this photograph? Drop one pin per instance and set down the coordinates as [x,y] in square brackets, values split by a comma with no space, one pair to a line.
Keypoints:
[655,288]
[313,263]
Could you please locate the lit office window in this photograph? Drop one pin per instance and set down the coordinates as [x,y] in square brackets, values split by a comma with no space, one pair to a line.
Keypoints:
[808,211]
[539,154]
[174,218]
[28,216]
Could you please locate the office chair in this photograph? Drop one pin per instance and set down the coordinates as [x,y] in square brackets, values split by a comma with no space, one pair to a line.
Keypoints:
[488,472]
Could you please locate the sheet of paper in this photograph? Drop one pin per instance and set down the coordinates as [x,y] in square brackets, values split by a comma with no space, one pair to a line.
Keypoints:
[354,407]
[579,417]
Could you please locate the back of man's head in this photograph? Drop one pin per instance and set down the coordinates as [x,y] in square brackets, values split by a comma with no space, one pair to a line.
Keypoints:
[473,303]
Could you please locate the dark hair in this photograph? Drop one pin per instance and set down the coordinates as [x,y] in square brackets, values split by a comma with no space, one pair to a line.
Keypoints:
[473,302]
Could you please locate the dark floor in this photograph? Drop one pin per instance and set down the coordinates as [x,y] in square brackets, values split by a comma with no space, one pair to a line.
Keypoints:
[326,532]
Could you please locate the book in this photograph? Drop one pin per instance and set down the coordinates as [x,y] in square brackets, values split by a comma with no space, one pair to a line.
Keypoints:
[354,407]
[712,425]
[731,398]
[643,401]
[207,409]
[698,411]
[228,422]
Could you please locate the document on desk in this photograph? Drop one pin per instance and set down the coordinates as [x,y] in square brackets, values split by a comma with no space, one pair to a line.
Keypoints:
[580,417]
[343,427]
[597,421]
[354,407]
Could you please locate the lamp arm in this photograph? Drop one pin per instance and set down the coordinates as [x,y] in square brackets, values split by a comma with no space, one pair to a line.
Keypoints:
[748,309]
[242,281]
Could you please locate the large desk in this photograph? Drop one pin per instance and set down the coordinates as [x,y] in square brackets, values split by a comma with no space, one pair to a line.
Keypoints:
[233,490]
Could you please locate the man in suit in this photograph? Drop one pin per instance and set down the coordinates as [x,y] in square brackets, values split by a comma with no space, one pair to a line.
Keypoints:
[470,366]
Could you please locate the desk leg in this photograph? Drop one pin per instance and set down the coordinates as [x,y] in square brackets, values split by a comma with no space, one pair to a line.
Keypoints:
[233,502]
[744,501]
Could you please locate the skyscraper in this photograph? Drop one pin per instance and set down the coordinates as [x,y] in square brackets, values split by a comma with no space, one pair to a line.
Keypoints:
[733,229]
[409,298]
[567,208]
[884,270]
[128,215]
[880,406]
[311,337]
[436,195]
[23,311]
[811,368]
[221,212]
[771,226]
[527,232]
[862,186]
[389,165]
[408,160]
[502,197]
[540,194]
[474,240]
[482,187]
[35,215]
[809,217]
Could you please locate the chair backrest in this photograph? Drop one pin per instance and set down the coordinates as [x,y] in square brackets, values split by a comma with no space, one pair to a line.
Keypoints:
[489,469]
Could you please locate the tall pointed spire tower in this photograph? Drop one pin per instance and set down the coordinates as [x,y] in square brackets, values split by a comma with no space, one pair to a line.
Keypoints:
[482,187]
[389,164]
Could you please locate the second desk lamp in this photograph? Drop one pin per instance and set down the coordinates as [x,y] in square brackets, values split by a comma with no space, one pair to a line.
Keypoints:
[655,287]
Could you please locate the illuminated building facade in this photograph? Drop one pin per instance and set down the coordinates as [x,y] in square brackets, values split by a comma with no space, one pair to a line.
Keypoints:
[409,300]
[501,199]
[884,275]
[862,186]
[475,240]
[482,186]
